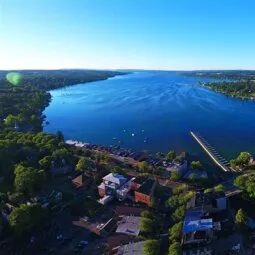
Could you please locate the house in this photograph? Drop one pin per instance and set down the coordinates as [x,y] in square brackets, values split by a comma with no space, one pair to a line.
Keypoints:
[79,181]
[179,166]
[129,225]
[197,228]
[132,248]
[210,202]
[115,185]
[101,228]
[137,182]
[145,192]
[117,240]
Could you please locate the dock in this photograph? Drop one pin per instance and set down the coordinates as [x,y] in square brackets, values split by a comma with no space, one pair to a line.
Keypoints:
[211,151]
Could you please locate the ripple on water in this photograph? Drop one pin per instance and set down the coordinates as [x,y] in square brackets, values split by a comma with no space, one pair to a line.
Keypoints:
[166,105]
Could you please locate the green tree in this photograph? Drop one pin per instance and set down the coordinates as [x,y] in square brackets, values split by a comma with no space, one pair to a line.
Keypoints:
[185,199]
[171,155]
[46,162]
[118,170]
[82,164]
[196,165]
[209,190]
[192,177]
[143,167]
[172,201]
[241,218]
[61,153]
[105,158]
[28,180]
[174,249]
[250,187]
[153,202]
[146,214]
[25,217]
[180,189]
[175,175]
[240,181]
[151,247]
[178,214]
[146,225]
[242,160]
[98,157]
[175,232]
[218,188]
[10,120]
[247,184]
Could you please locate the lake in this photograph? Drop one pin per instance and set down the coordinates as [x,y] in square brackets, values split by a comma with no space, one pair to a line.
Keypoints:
[153,111]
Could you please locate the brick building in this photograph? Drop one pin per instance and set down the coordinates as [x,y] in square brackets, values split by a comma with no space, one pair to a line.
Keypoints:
[144,189]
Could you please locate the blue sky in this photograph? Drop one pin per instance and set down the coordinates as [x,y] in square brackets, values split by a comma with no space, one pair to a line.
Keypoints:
[143,34]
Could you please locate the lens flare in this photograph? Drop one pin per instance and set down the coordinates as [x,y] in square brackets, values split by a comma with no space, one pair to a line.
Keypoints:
[14,78]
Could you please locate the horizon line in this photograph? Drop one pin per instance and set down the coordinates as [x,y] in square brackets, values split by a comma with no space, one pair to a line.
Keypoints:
[127,69]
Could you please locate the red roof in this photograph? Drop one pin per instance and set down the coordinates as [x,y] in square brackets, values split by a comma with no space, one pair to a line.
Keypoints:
[78,181]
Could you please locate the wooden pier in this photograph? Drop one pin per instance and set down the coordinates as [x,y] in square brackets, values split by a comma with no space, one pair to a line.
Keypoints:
[211,151]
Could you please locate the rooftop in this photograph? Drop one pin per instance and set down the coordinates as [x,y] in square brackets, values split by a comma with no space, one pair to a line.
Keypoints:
[129,225]
[201,199]
[197,225]
[78,181]
[101,186]
[126,210]
[131,249]
[147,187]
[115,178]
[140,179]
[118,239]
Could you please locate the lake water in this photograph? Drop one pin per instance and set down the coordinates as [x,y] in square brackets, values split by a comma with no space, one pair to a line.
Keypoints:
[158,108]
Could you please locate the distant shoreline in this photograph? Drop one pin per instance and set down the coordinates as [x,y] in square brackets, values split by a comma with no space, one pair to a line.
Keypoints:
[226,94]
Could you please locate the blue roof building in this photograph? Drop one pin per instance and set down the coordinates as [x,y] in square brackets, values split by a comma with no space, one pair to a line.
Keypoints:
[197,229]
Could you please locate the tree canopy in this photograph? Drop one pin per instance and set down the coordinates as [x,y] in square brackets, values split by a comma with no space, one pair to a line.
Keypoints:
[174,249]
[118,170]
[241,161]
[171,155]
[82,164]
[146,225]
[196,165]
[25,217]
[175,232]
[146,214]
[28,180]
[247,184]
[178,214]
[241,218]
[143,167]
[151,247]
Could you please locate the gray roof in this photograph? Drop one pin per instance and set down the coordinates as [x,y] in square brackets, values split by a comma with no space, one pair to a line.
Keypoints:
[129,225]
[131,249]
